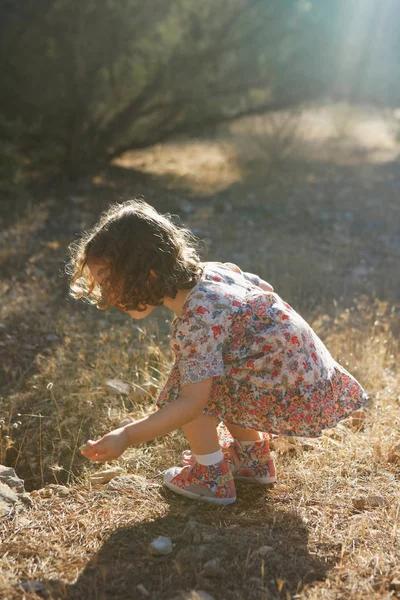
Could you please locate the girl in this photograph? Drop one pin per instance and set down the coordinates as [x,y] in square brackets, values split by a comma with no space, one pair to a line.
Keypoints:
[243,356]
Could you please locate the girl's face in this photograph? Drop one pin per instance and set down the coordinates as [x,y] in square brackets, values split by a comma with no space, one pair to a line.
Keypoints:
[97,268]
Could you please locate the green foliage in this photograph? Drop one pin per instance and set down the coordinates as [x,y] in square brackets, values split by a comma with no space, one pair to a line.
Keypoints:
[109,75]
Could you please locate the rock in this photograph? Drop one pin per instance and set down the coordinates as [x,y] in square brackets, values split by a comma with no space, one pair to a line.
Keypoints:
[51,490]
[128,482]
[142,590]
[35,587]
[59,490]
[52,337]
[10,478]
[372,501]
[377,501]
[264,550]
[193,531]
[8,500]
[161,546]
[105,476]
[212,568]
[117,386]
[12,490]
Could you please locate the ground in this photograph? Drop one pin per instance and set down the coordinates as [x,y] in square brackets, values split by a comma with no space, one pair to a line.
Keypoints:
[318,216]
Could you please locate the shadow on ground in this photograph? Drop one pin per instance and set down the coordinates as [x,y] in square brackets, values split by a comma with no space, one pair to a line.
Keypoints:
[264,555]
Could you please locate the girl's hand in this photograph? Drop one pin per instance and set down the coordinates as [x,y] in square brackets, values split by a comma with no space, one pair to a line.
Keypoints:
[109,447]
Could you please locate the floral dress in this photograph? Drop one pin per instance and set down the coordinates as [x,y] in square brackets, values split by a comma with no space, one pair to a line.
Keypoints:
[270,370]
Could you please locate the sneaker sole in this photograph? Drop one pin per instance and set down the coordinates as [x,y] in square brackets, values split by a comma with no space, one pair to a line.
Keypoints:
[193,496]
[263,480]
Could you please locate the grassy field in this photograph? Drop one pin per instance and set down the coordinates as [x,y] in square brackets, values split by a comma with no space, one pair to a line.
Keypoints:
[317,215]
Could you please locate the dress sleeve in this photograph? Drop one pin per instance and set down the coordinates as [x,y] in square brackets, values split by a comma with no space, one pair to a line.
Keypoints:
[254,279]
[198,346]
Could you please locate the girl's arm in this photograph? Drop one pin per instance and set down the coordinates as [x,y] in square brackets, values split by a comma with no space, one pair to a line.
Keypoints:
[172,416]
[264,285]
[184,409]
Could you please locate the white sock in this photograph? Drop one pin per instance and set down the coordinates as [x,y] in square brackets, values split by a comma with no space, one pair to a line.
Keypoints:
[210,459]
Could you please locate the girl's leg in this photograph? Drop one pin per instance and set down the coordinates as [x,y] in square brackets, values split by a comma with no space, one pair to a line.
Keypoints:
[208,476]
[201,433]
[243,435]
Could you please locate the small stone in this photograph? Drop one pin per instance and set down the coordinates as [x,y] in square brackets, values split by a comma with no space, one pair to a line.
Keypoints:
[264,550]
[212,568]
[52,337]
[117,386]
[59,490]
[377,501]
[8,500]
[128,482]
[193,532]
[161,546]
[372,501]
[142,590]
[51,490]
[105,476]
[35,587]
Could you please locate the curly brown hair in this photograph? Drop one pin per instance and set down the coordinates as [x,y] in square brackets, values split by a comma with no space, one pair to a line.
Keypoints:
[135,242]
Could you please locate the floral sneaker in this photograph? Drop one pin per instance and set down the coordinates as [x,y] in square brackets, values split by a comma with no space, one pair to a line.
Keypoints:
[252,463]
[213,483]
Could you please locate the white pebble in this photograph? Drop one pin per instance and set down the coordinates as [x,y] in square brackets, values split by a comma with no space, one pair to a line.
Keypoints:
[263,550]
[161,546]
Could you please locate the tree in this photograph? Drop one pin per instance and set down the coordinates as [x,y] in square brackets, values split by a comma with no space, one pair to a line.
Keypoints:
[91,79]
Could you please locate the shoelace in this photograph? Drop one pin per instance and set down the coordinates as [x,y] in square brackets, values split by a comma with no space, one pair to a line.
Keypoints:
[189,460]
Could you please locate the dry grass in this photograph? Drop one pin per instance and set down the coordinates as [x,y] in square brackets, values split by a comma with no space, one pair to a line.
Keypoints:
[325,236]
